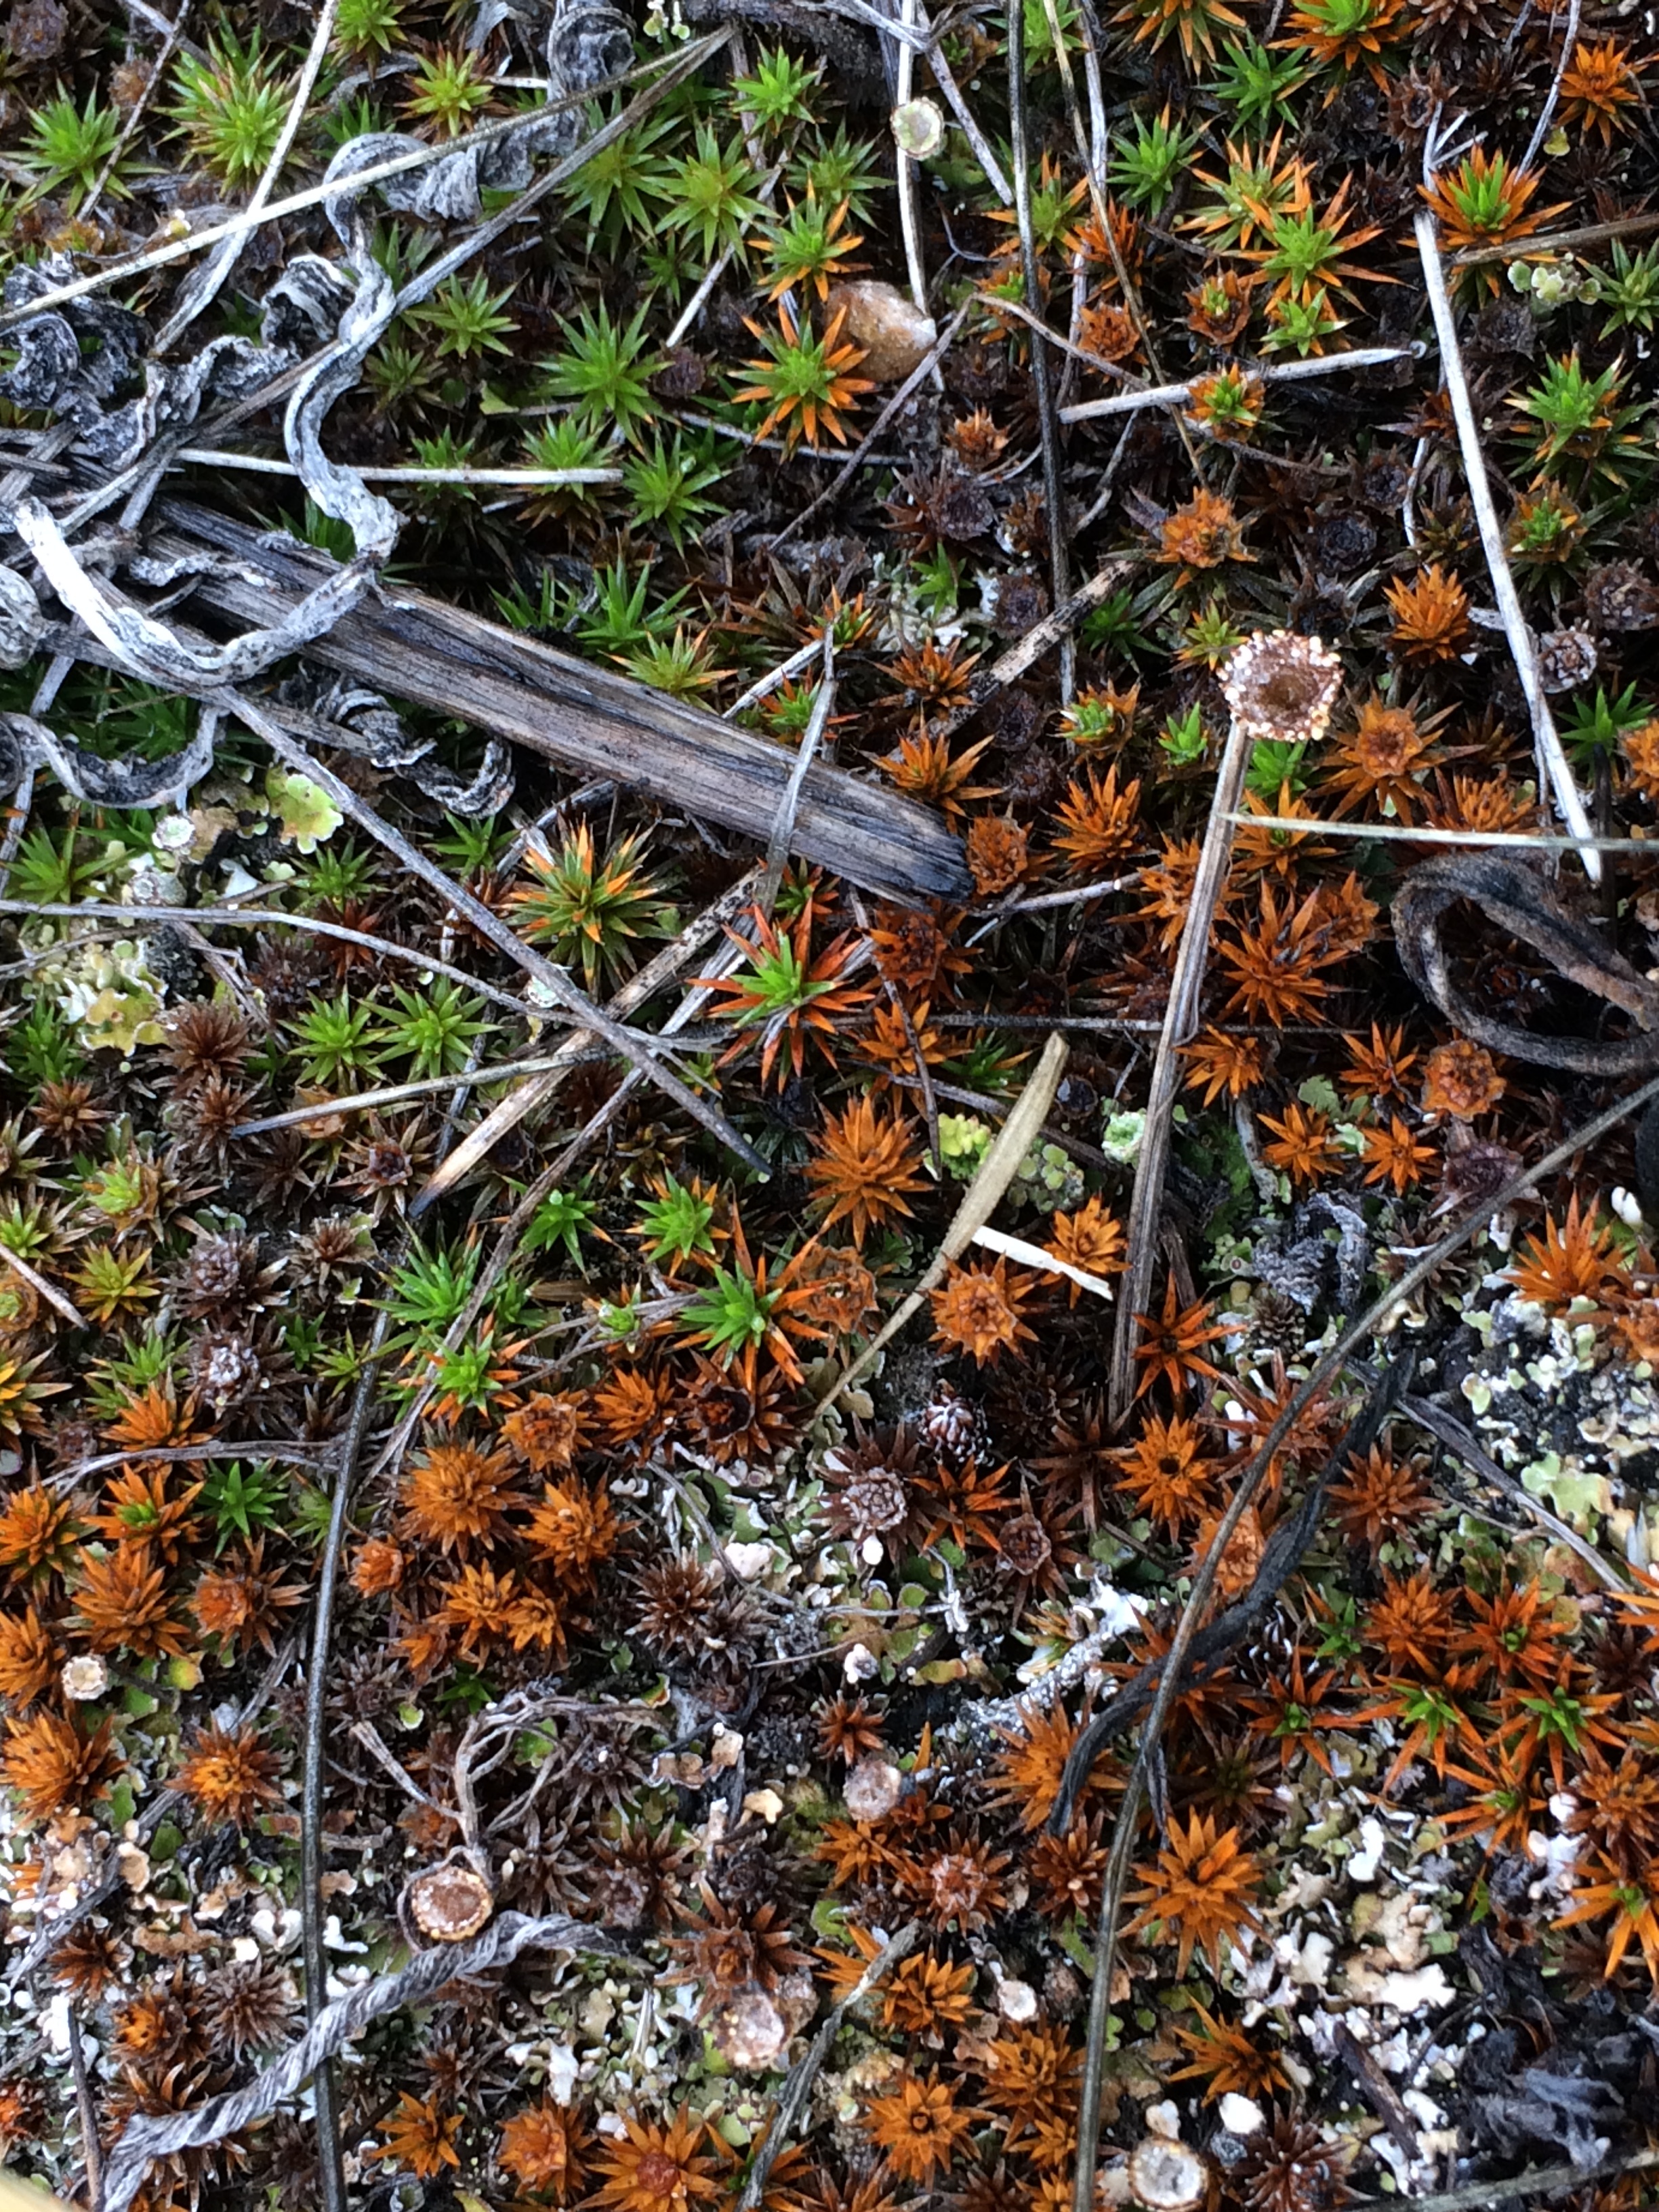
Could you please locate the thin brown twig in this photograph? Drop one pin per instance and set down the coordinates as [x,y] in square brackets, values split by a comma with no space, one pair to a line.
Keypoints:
[136,113]
[1264,372]
[425,1086]
[330,2162]
[1091,150]
[1555,241]
[1538,2181]
[1179,1020]
[1457,1439]
[797,2088]
[1547,112]
[979,1201]
[660,969]
[91,2155]
[1054,489]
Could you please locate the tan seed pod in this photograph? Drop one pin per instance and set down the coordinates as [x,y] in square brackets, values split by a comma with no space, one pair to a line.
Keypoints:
[1166,2176]
[450,1902]
[1282,686]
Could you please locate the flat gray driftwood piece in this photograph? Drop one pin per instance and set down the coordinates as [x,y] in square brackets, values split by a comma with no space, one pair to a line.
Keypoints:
[421,649]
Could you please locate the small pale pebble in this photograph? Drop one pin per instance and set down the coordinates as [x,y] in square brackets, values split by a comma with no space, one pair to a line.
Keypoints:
[872,1789]
[895,334]
[1242,2116]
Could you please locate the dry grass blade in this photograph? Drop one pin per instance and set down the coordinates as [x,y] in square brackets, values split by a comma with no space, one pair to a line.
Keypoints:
[996,1171]
[1266,372]
[1554,769]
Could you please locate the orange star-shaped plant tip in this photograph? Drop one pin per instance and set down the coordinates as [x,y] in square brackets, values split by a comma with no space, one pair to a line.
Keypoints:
[1173,1342]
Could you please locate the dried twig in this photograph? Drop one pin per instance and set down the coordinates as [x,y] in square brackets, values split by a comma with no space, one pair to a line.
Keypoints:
[576,712]
[216,917]
[1462,1442]
[91,2155]
[798,2085]
[1180,1020]
[426,1087]
[1538,2181]
[1027,651]
[531,479]
[1553,766]
[1264,372]
[1521,841]
[1555,241]
[330,2168]
[477,1143]
[848,463]
[909,188]
[58,1300]
[137,112]
[778,845]
[945,78]
[1519,899]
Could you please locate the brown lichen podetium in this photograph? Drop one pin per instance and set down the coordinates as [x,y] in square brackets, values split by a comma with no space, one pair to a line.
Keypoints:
[1283,686]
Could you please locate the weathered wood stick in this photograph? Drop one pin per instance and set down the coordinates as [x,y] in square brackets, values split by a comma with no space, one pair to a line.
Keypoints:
[419,648]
